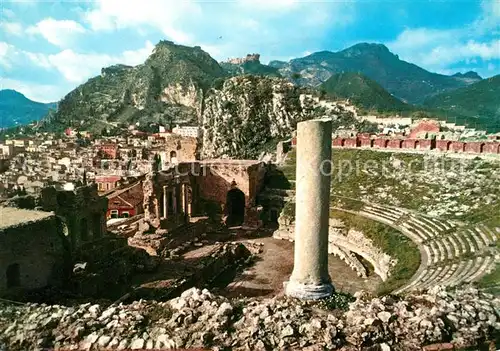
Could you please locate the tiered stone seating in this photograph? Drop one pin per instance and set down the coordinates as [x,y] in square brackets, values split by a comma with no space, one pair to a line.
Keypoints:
[436,253]
[395,211]
[477,239]
[488,263]
[446,244]
[415,234]
[468,240]
[464,248]
[438,225]
[388,215]
[419,227]
[490,233]
[443,273]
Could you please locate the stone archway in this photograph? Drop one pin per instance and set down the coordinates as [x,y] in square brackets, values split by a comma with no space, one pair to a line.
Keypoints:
[173,157]
[235,207]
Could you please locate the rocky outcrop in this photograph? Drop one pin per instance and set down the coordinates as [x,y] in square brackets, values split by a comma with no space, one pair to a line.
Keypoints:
[167,88]
[200,319]
[241,60]
[248,112]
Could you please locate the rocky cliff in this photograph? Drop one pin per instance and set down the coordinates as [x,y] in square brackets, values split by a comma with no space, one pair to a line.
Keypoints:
[248,115]
[248,112]
[167,88]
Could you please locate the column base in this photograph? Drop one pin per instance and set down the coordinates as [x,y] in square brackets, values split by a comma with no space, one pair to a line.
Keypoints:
[308,291]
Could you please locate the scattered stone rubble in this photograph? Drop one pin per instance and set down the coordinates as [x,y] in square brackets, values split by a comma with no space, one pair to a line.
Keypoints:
[200,319]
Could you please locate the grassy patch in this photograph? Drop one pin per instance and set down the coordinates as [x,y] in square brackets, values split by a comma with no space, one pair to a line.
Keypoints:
[391,242]
[444,187]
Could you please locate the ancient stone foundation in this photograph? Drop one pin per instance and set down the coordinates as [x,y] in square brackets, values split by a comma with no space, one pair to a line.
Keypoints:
[310,279]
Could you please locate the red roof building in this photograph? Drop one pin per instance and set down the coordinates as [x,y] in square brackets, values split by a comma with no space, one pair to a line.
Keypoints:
[127,202]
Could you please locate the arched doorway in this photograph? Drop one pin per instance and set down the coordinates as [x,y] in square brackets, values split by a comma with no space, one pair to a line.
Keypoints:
[235,207]
[274,215]
[417,145]
[481,148]
[173,157]
[13,274]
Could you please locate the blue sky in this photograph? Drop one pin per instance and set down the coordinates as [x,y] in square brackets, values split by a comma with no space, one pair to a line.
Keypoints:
[49,47]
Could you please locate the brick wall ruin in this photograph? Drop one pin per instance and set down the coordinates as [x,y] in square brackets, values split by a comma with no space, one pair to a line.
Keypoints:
[32,251]
[473,147]
[82,212]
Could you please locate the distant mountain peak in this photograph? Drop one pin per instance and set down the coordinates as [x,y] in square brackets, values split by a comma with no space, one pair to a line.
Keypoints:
[469,74]
[366,48]
[10,92]
[17,109]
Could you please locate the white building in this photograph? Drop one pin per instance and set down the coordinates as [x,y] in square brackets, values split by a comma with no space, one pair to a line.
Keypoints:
[187,131]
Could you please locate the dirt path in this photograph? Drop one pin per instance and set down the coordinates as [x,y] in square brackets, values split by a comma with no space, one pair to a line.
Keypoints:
[274,266]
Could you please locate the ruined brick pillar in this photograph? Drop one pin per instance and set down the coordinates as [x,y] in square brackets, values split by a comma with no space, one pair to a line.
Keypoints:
[310,279]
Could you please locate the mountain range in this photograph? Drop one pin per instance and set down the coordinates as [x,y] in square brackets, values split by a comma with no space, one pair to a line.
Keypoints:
[406,81]
[17,109]
[174,83]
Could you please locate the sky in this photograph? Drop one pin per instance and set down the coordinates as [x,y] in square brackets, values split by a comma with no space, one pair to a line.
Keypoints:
[47,48]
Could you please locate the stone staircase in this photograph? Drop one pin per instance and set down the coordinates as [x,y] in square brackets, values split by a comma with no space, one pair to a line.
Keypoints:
[451,254]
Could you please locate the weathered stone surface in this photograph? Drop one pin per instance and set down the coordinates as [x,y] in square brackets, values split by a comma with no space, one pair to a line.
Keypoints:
[198,319]
[310,278]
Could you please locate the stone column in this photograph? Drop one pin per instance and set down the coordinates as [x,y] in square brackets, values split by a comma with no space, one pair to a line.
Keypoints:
[310,279]
[165,203]
[183,198]
[174,199]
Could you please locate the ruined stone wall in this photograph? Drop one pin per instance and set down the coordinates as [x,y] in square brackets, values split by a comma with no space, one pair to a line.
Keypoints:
[37,248]
[217,179]
[184,148]
[424,128]
[82,212]
[476,147]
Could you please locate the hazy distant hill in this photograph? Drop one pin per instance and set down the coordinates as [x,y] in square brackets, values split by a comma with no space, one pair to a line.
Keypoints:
[478,103]
[363,92]
[404,80]
[17,109]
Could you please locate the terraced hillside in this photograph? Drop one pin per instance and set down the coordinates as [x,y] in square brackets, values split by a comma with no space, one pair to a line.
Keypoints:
[450,208]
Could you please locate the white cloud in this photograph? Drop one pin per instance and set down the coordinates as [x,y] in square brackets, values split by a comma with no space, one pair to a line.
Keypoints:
[442,47]
[8,55]
[165,15]
[269,5]
[57,32]
[13,28]
[34,91]
[77,67]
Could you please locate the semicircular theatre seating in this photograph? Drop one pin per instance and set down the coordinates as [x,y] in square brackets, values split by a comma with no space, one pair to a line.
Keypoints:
[452,254]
